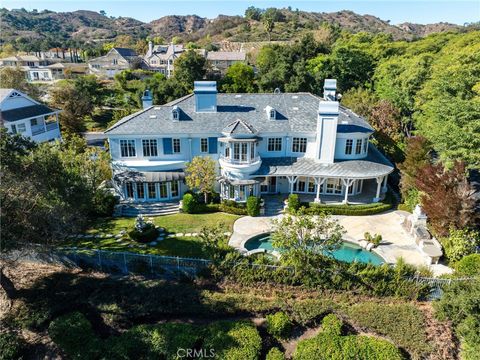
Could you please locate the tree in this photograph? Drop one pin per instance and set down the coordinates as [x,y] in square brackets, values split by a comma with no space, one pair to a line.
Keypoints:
[417,155]
[103,13]
[446,197]
[268,21]
[239,78]
[460,243]
[14,78]
[201,175]
[302,238]
[74,103]
[253,13]
[360,100]
[189,67]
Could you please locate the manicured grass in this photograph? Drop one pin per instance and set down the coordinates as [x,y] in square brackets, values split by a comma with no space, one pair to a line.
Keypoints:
[176,223]
[171,246]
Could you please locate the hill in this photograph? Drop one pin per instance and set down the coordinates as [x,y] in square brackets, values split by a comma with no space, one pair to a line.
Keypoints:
[84,26]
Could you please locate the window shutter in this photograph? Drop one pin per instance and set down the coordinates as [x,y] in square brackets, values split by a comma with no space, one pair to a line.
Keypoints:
[212,145]
[167,146]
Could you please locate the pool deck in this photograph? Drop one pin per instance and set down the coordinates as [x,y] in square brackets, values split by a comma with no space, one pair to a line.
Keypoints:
[397,243]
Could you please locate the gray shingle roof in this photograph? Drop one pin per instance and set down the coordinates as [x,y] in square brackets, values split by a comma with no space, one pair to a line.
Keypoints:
[296,112]
[125,52]
[239,127]
[375,164]
[26,112]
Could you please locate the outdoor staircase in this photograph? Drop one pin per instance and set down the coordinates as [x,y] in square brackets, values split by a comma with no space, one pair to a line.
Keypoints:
[148,209]
[273,205]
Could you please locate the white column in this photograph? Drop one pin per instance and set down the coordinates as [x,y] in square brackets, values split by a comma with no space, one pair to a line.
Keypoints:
[379,185]
[384,187]
[319,182]
[190,146]
[291,181]
[347,183]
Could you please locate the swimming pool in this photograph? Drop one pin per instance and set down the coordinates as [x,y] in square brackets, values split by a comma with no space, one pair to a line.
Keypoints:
[347,252]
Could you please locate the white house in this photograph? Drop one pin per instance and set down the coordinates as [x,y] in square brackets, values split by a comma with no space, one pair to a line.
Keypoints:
[263,143]
[20,114]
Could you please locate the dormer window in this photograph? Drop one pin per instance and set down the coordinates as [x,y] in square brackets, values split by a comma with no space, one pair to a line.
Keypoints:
[271,113]
[175,113]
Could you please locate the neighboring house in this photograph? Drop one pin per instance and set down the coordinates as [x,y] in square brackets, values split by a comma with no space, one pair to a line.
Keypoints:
[161,58]
[20,114]
[115,61]
[41,70]
[219,61]
[263,143]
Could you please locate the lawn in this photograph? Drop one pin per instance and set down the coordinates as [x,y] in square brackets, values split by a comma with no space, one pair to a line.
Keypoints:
[173,246]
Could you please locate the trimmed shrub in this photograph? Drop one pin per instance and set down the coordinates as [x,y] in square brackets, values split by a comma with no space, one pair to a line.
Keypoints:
[332,325]
[74,335]
[468,265]
[275,354]
[149,233]
[232,207]
[402,323]
[11,346]
[279,325]
[253,206]
[189,203]
[346,209]
[233,340]
[293,203]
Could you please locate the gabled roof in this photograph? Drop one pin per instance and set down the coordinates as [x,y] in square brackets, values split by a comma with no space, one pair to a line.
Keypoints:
[4,93]
[26,112]
[239,127]
[226,55]
[125,52]
[299,112]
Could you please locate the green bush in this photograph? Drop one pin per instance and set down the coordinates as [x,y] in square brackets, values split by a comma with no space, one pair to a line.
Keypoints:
[233,340]
[149,233]
[331,324]
[279,325]
[330,345]
[402,323]
[346,209]
[11,346]
[103,203]
[293,203]
[275,354]
[74,335]
[232,207]
[253,206]
[189,203]
[468,265]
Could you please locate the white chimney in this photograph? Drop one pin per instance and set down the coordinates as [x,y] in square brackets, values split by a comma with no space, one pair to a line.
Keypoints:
[330,89]
[150,47]
[147,99]
[327,131]
[205,96]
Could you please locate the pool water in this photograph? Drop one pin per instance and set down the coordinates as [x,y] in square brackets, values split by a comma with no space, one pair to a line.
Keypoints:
[347,252]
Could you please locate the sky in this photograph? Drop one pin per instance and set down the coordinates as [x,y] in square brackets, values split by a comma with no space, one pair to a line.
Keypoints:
[423,12]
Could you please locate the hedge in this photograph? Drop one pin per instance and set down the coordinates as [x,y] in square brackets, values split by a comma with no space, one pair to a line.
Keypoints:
[11,346]
[74,335]
[402,323]
[346,209]
[468,265]
[279,325]
[329,345]
[275,354]
[253,206]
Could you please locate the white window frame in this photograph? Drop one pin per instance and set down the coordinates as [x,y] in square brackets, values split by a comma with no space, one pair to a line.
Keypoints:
[299,145]
[21,128]
[365,145]
[176,146]
[128,148]
[349,147]
[275,144]
[204,145]
[358,146]
[151,146]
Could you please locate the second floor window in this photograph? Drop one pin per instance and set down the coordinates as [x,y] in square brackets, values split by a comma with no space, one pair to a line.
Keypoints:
[176,146]
[299,145]
[127,148]
[348,147]
[33,122]
[275,144]
[150,147]
[358,146]
[204,145]
[115,61]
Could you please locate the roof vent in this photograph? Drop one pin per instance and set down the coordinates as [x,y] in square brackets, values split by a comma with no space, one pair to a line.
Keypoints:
[294,97]
[153,116]
[295,108]
[157,108]
[238,96]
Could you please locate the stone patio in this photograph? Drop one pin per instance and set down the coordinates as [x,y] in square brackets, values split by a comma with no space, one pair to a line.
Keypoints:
[396,243]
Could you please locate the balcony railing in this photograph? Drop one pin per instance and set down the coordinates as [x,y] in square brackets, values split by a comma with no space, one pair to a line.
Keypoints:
[240,161]
[49,126]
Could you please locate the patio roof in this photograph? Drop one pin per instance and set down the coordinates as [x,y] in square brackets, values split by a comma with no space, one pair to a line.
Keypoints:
[374,165]
[150,176]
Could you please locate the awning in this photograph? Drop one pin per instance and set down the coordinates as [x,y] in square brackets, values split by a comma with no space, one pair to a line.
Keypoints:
[240,182]
[149,176]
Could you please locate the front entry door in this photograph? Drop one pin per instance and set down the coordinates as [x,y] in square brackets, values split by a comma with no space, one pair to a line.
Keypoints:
[272,184]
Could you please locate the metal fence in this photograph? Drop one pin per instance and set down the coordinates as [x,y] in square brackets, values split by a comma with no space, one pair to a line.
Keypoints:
[133,263]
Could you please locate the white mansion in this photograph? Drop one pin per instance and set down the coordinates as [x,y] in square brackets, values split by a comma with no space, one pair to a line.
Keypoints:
[263,143]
